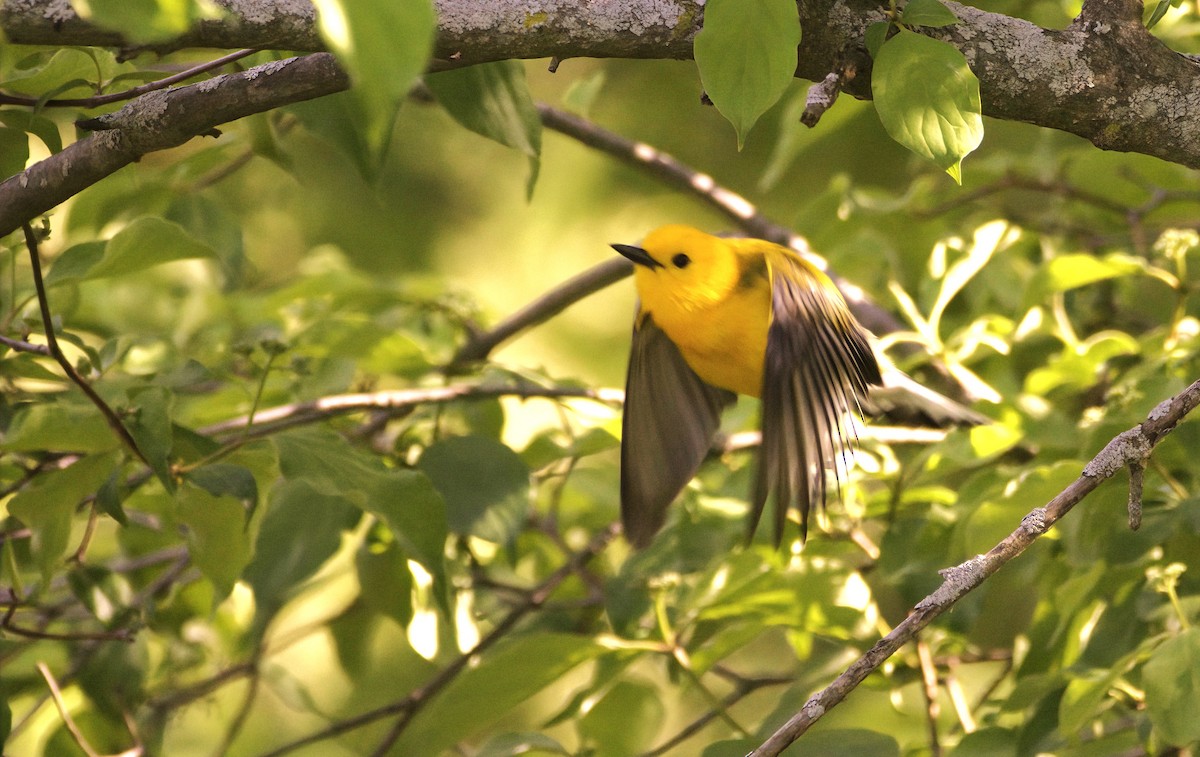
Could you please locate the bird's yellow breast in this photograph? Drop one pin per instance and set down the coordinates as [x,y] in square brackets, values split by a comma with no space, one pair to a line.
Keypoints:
[723,338]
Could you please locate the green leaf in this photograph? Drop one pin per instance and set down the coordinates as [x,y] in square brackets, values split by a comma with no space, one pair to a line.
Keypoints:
[928,99]
[48,506]
[522,745]
[150,426]
[217,538]
[414,511]
[74,263]
[875,37]
[482,694]
[485,485]
[384,45]
[14,151]
[857,741]
[39,126]
[1066,272]
[1171,678]
[405,500]
[59,427]
[625,720]
[385,580]
[493,100]
[931,13]
[302,529]
[225,478]
[143,21]
[328,464]
[48,73]
[145,243]
[109,496]
[746,54]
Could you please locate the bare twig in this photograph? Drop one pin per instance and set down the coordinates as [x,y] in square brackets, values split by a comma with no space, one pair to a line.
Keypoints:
[19,346]
[275,418]
[933,708]
[110,416]
[479,346]
[1128,446]
[742,687]
[56,695]
[1137,472]
[98,100]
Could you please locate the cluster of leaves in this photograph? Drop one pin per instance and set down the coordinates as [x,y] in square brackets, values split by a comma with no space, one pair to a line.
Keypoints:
[435,576]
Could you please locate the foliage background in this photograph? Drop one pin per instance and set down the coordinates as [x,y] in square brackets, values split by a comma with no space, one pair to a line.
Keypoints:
[327,578]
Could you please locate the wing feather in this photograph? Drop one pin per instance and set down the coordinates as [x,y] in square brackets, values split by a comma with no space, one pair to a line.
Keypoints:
[667,428]
[817,369]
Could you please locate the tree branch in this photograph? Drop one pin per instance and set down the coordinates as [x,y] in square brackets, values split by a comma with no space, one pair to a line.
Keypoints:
[1126,448]
[158,121]
[1105,77]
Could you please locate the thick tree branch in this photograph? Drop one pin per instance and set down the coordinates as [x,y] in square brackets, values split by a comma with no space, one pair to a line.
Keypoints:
[158,121]
[1104,77]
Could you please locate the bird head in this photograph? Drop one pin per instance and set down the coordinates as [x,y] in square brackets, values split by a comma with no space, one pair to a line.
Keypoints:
[682,267]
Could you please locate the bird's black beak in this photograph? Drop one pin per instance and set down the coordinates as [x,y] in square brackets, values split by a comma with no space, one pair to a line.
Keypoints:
[637,255]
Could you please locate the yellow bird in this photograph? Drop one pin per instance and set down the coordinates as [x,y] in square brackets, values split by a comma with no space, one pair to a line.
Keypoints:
[718,316]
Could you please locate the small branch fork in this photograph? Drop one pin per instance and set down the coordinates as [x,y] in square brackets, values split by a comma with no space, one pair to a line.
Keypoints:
[1128,449]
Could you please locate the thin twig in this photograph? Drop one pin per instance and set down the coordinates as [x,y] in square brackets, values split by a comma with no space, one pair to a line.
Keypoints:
[56,695]
[1134,444]
[272,419]
[96,101]
[18,346]
[742,687]
[479,346]
[114,421]
[933,708]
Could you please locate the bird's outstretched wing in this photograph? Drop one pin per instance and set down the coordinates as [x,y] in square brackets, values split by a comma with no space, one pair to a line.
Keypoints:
[817,368]
[669,421]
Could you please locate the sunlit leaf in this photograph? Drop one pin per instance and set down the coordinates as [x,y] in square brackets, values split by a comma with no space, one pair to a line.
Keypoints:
[145,21]
[144,243]
[928,99]
[625,720]
[384,45]
[504,678]
[1065,272]
[931,13]
[1171,678]
[59,426]
[746,54]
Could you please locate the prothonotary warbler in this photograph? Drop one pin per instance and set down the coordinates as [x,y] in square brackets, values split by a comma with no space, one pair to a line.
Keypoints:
[718,316]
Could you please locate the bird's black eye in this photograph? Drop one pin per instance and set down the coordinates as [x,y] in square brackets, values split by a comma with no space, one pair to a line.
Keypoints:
[680,260]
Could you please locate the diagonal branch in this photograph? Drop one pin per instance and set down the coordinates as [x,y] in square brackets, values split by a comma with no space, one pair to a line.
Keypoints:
[1127,448]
